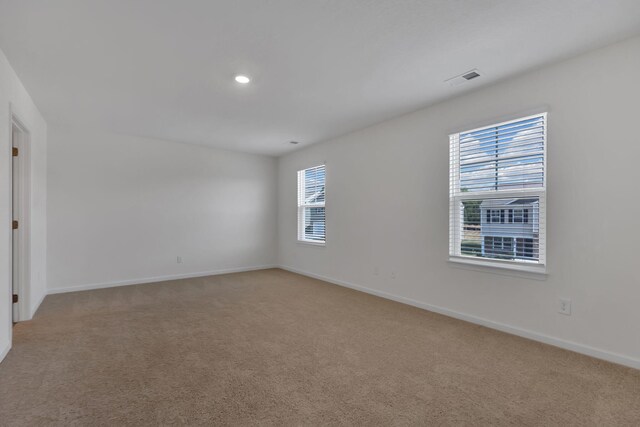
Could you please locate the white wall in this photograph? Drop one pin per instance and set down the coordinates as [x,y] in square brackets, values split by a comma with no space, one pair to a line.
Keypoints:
[121,209]
[14,97]
[387,208]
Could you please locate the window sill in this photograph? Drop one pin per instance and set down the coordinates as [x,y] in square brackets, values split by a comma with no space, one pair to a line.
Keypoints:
[539,270]
[311,243]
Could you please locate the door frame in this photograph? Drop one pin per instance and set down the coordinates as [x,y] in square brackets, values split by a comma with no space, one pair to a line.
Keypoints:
[23,285]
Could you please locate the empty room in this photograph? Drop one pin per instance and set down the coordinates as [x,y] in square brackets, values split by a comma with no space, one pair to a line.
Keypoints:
[322,212]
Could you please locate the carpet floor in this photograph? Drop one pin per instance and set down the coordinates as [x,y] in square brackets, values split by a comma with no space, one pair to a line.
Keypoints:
[275,348]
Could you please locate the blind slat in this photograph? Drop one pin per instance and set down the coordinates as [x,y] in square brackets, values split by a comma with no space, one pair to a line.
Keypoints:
[504,127]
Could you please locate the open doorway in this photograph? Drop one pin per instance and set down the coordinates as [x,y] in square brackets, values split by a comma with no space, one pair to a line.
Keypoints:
[20,221]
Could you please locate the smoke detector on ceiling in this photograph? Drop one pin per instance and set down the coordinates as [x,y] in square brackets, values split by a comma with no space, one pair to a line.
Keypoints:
[463,78]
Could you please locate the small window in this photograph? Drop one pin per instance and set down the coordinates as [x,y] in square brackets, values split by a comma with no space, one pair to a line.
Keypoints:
[311,205]
[498,247]
[518,215]
[525,249]
[498,194]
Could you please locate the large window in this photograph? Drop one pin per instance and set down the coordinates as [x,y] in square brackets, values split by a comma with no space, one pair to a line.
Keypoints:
[498,194]
[311,209]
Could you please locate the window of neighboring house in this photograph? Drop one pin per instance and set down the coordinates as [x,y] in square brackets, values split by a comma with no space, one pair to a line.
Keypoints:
[498,247]
[495,215]
[525,248]
[497,200]
[311,205]
[520,215]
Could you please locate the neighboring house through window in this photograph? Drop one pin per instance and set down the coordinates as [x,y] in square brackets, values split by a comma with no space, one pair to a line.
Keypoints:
[311,205]
[498,194]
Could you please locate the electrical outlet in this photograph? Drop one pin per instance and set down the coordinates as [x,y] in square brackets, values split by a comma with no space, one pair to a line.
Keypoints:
[393,275]
[179,260]
[376,271]
[564,306]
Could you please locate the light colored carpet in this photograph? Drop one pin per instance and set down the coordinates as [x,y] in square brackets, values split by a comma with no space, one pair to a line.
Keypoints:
[272,347]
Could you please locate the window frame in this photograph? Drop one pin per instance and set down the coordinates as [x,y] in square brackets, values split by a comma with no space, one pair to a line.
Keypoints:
[457,197]
[301,206]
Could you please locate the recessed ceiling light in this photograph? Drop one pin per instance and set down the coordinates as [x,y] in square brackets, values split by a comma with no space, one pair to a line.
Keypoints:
[243,79]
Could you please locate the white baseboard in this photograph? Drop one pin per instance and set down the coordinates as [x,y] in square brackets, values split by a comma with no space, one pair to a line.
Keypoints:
[5,351]
[35,308]
[154,279]
[557,342]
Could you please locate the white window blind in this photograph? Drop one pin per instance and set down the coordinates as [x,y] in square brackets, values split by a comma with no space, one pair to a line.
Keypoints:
[311,205]
[497,194]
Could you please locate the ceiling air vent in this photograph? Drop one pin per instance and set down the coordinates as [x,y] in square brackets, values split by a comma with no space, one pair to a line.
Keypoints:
[470,75]
[463,78]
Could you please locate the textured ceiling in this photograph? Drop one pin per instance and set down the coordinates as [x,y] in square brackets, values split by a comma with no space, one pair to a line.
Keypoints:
[165,68]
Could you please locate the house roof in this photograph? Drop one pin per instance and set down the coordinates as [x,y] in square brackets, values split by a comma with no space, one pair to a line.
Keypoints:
[316,197]
[491,203]
[529,201]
